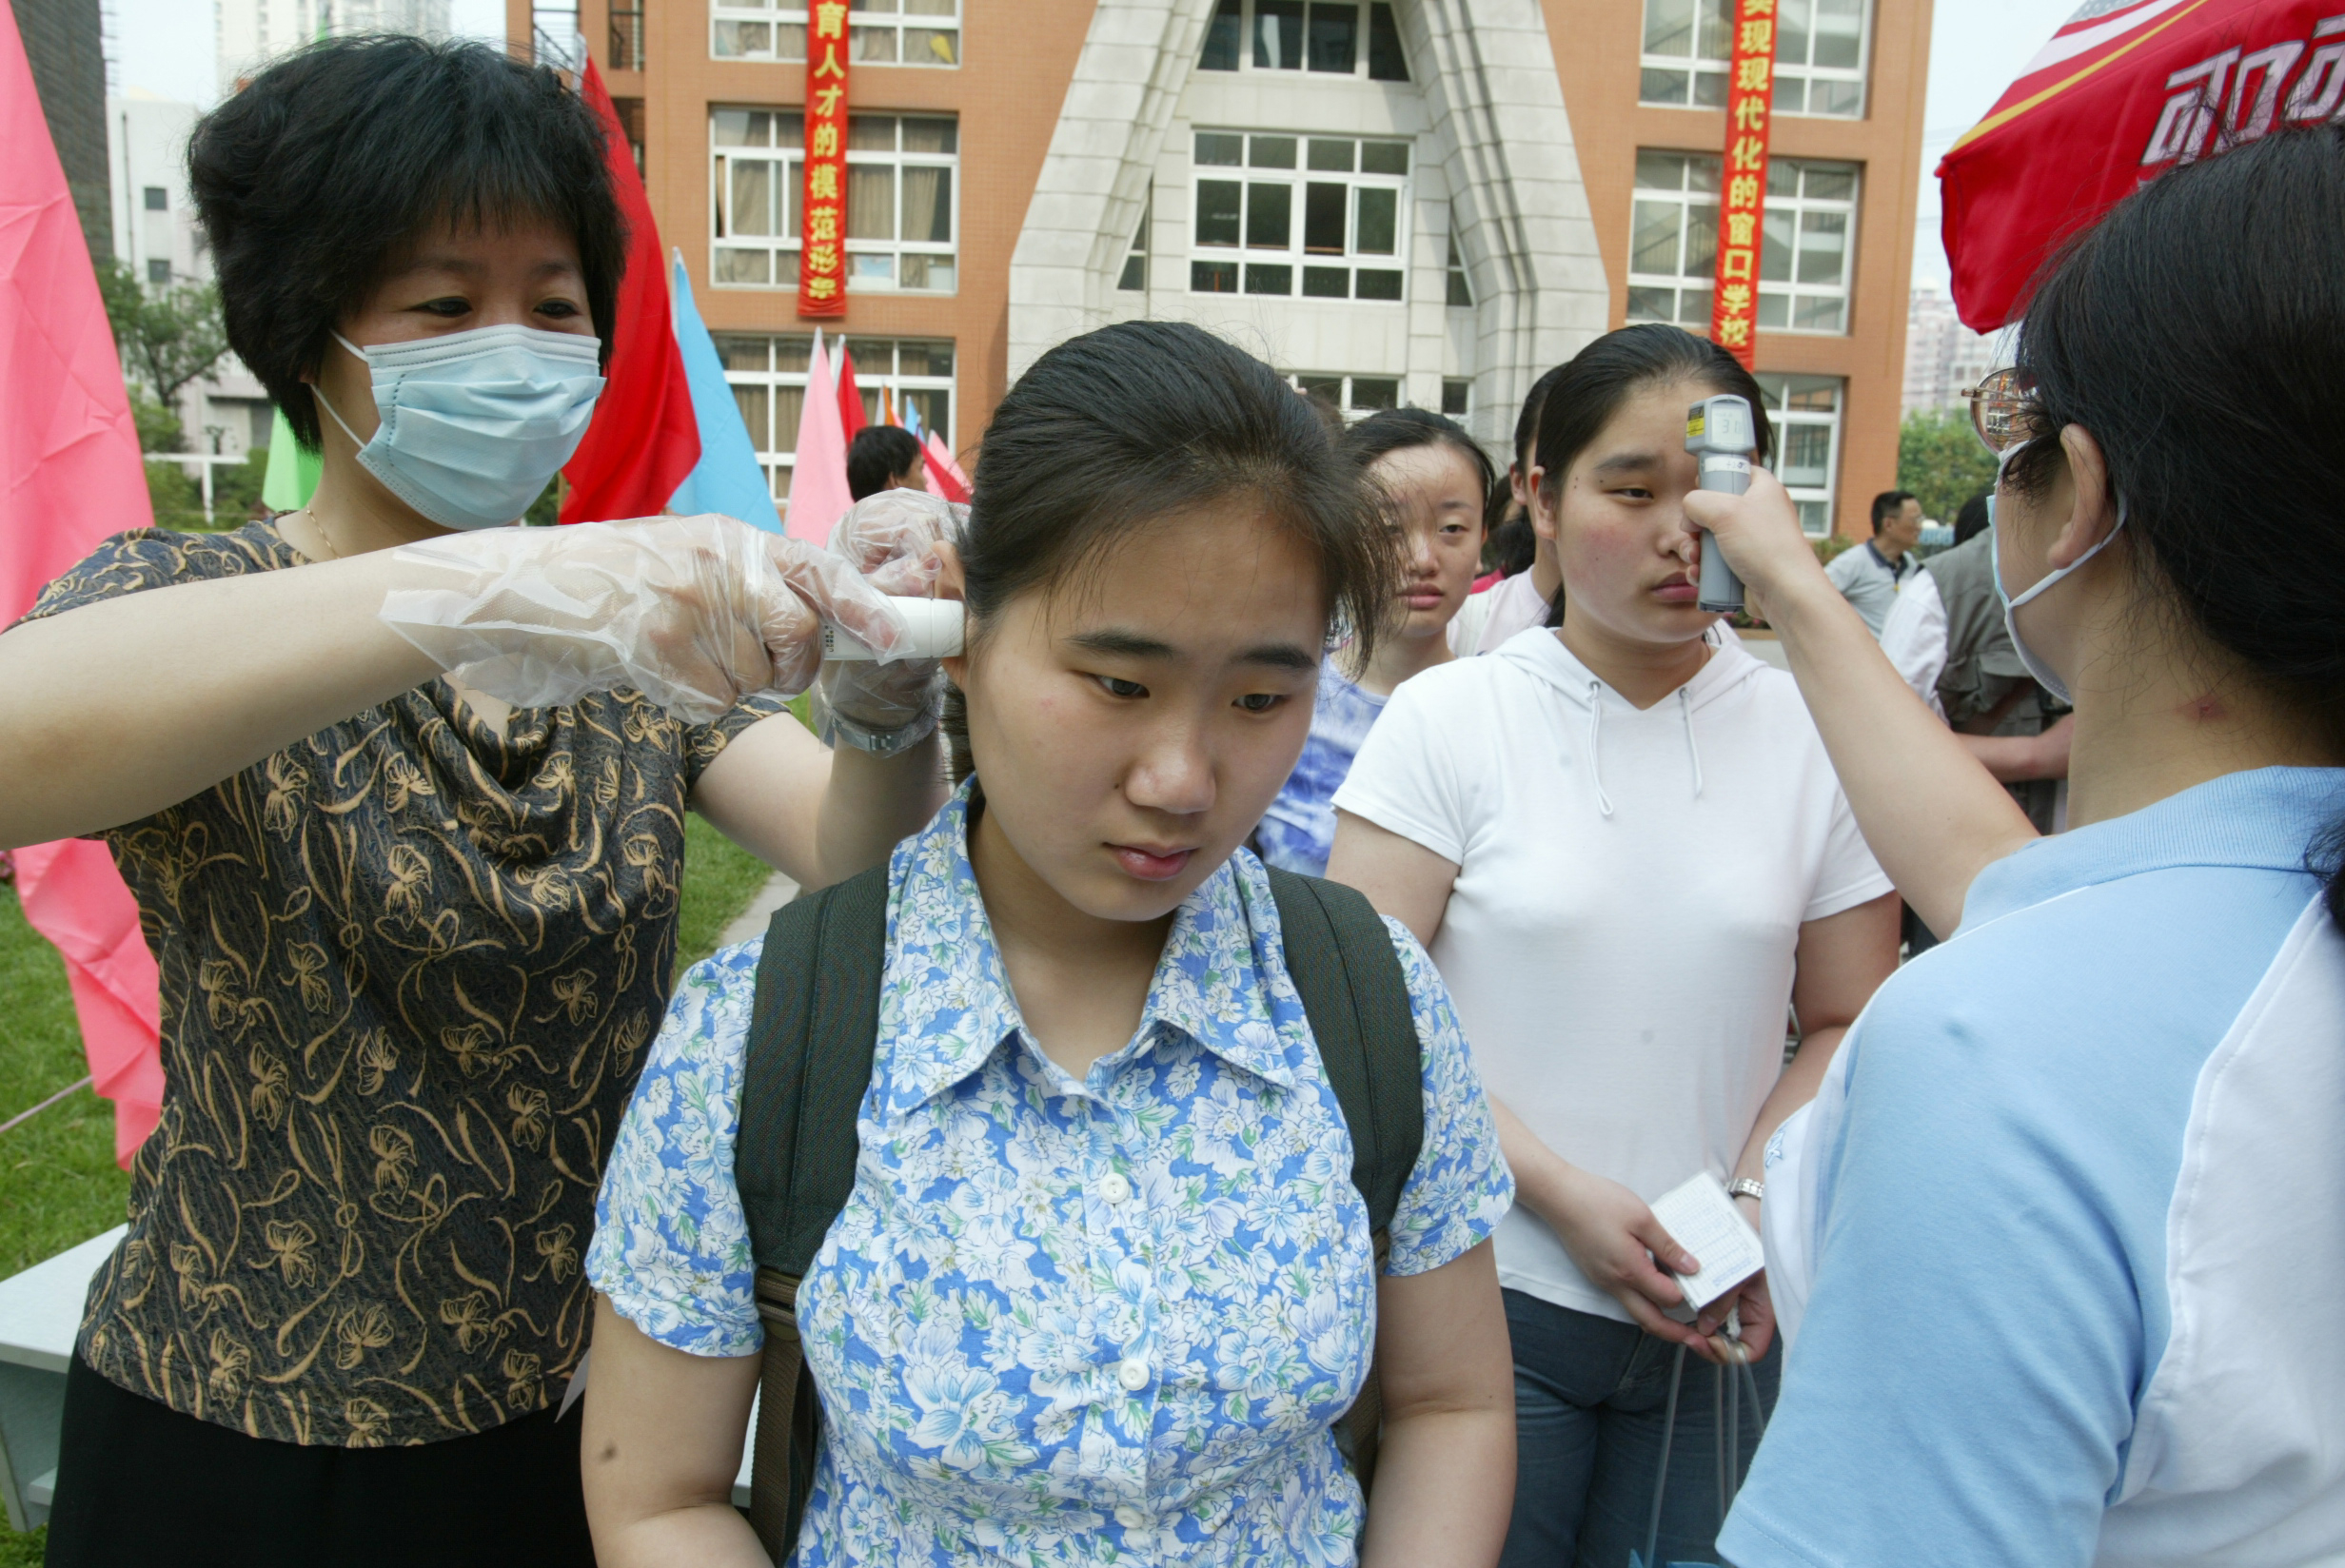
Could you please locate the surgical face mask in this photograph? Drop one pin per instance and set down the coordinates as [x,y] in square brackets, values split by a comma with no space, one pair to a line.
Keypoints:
[475,423]
[2035,666]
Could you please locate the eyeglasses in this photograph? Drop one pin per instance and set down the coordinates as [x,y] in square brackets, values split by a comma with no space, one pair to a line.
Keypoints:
[1998,408]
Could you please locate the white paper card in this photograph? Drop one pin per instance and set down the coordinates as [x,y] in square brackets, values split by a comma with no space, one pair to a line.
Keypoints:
[1706,1223]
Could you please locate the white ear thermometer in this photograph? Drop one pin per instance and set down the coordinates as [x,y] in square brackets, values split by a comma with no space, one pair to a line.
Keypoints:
[936,630]
[1720,434]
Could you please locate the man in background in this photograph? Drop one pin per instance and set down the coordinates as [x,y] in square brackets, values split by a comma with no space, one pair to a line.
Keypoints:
[1869,575]
[885,457]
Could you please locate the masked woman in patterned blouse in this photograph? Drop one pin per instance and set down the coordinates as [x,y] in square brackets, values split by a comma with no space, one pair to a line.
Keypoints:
[401,790]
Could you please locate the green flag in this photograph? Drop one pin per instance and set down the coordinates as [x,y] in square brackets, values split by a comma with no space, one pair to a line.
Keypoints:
[292,475]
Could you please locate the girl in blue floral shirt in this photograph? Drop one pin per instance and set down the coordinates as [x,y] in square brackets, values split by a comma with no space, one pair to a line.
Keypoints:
[1104,1281]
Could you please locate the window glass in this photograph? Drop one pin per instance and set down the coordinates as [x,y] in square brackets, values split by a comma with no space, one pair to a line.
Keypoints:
[1805,411]
[1257,200]
[1278,34]
[1820,54]
[1334,38]
[767,375]
[911,32]
[1385,60]
[1805,247]
[903,209]
[1222,35]
[1331,37]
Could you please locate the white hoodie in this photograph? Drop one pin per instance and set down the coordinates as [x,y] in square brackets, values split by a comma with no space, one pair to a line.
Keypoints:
[1631,889]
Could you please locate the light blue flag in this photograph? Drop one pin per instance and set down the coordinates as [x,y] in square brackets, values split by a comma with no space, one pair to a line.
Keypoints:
[728,477]
[911,417]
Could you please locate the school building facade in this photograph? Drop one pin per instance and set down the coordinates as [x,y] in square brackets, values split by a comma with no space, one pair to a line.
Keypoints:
[1423,201]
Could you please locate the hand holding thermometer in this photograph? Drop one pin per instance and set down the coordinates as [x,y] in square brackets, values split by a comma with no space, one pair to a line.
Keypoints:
[1720,434]
[936,630]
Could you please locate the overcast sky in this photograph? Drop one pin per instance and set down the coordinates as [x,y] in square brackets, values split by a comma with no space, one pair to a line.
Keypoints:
[1977,47]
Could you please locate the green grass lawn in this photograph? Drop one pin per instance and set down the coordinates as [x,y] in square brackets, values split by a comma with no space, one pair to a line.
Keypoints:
[58,1181]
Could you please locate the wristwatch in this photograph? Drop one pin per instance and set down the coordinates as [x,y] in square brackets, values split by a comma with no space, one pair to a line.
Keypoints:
[836,729]
[1743,1187]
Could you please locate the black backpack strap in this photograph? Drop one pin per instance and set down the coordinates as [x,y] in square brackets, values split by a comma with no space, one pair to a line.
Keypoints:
[1340,955]
[811,1036]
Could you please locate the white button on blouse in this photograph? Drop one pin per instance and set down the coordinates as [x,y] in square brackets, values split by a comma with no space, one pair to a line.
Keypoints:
[1113,1188]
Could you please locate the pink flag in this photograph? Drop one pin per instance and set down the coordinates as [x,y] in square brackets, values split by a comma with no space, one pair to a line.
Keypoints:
[944,475]
[819,495]
[69,475]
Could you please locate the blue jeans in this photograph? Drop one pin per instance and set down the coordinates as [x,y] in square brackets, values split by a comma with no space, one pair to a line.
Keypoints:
[1590,1398]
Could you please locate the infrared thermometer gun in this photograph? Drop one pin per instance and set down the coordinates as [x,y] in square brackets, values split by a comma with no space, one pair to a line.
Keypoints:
[936,630]
[1720,434]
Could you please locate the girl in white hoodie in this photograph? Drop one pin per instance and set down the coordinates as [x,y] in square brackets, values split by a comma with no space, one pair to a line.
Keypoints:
[1627,853]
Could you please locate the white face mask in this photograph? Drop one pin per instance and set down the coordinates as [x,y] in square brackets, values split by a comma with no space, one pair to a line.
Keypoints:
[2035,666]
[474,424]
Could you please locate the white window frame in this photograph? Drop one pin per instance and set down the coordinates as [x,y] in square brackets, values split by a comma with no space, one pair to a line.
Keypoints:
[1261,263]
[1793,218]
[777,447]
[1813,501]
[874,265]
[1696,77]
[1341,388]
[879,32]
[1254,42]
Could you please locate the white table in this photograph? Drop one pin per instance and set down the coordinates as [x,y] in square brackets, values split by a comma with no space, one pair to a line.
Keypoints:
[40,1313]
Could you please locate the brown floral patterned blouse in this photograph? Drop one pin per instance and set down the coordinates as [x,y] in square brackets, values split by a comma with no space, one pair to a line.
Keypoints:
[409,967]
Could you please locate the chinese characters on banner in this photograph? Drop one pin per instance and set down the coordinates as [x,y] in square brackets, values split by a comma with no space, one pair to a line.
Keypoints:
[822,261]
[1743,195]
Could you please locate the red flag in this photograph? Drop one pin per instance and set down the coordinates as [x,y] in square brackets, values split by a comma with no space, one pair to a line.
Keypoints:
[2118,96]
[69,475]
[850,396]
[643,439]
[945,477]
[1742,198]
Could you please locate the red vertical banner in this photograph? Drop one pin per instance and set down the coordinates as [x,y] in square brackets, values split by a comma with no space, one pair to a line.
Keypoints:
[1743,192]
[822,257]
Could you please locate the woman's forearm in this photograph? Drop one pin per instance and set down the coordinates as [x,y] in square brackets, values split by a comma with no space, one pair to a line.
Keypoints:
[1801,1076]
[1933,817]
[113,711]
[1444,1490]
[710,1535]
[1541,1175]
[872,802]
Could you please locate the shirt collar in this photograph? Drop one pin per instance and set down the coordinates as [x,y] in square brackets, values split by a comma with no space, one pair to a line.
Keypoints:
[2263,820]
[1895,568]
[946,1005]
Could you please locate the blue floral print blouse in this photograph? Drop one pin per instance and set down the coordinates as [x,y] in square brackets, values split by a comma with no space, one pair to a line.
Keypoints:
[1059,1321]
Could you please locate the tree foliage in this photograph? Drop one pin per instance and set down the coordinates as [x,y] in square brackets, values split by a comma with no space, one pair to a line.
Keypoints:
[168,338]
[1940,459]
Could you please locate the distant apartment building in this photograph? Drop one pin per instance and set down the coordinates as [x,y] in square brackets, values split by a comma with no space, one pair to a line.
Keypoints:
[252,33]
[1944,358]
[1422,202]
[156,236]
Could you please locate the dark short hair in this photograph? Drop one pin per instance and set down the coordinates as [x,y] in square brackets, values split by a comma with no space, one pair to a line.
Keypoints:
[1590,387]
[1398,429]
[1973,519]
[1527,423]
[1886,504]
[878,454]
[2196,333]
[319,178]
[1113,430]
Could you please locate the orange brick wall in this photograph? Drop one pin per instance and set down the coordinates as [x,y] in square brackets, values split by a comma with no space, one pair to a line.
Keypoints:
[1599,74]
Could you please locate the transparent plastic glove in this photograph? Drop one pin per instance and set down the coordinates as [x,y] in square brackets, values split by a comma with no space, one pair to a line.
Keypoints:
[695,613]
[891,538]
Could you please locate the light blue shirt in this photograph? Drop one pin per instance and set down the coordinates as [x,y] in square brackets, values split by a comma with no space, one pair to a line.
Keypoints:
[1299,829]
[1059,1321]
[2079,1219]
